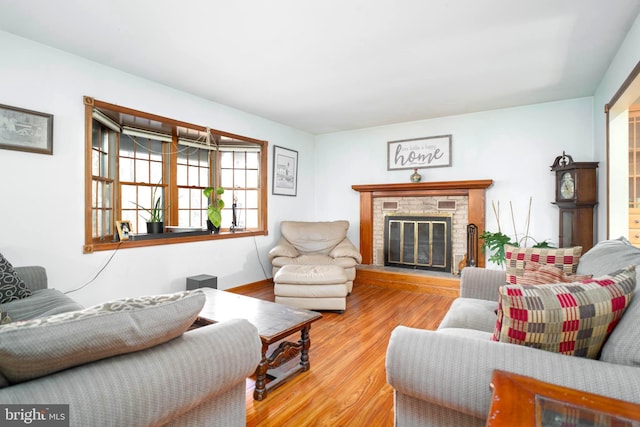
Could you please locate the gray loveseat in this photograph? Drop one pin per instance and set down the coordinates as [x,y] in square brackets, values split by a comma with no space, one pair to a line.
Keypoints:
[195,379]
[441,378]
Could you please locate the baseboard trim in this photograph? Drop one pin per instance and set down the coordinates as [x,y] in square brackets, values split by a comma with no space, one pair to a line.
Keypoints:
[251,286]
[409,281]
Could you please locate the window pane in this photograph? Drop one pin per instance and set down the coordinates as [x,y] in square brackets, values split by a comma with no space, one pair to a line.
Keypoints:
[239,179]
[126,169]
[108,194]
[252,199]
[126,146]
[182,175]
[253,160]
[251,219]
[239,160]
[226,178]
[142,171]
[204,177]
[196,199]
[155,148]
[226,159]
[156,172]
[252,178]
[193,176]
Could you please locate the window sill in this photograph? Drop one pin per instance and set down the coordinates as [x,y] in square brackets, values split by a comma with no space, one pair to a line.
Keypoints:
[144,240]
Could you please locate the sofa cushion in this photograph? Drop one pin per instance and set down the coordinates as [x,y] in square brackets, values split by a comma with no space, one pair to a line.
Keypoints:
[34,348]
[12,287]
[540,274]
[572,318]
[470,313]
[609,255]
[565,259]
[623,345]
[42,303]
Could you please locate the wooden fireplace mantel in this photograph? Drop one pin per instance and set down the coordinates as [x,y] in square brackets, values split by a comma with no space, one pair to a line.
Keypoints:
[475,190]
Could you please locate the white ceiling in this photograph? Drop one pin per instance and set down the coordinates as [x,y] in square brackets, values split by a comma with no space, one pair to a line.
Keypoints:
[332,65]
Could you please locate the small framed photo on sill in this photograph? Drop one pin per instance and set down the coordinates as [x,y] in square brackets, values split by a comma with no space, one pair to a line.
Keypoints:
[124,229]
[285,171]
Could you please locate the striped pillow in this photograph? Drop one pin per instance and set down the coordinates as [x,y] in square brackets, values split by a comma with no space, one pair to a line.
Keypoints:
[541,274]
[565,259]
[573,318]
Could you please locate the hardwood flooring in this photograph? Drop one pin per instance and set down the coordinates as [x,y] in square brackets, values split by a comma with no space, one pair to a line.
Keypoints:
[346,385]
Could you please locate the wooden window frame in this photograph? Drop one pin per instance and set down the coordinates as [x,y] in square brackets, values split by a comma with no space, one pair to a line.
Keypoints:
[92,244]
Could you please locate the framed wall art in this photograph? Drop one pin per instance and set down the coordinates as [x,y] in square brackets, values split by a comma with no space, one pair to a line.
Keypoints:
[26,130]
[285,171]
[124,229]
[429,152]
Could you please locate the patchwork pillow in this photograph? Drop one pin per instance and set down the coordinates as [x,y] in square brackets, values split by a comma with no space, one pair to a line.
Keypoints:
[34,348]
[572,318]
[12,287]
[540,274]
[565,259]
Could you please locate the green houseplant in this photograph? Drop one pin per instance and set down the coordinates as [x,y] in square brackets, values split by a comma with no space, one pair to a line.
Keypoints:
[216,204]
[495,242]
[155,222]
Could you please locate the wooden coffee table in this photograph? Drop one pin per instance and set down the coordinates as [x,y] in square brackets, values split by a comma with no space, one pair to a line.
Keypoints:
[275,322]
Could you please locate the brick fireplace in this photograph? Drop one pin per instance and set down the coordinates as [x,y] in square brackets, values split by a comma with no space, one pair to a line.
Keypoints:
[466,200]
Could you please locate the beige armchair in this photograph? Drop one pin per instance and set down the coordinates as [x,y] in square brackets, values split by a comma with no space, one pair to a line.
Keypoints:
[316,243]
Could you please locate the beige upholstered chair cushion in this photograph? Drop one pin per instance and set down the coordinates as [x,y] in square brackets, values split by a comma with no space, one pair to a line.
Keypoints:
[314,237]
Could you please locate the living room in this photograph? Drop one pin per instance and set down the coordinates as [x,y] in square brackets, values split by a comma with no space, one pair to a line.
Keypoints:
[43,219]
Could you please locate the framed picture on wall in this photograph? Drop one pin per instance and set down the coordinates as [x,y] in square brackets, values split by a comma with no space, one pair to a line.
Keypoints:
[428,152]
[26,130]
[285,171]
[124,229]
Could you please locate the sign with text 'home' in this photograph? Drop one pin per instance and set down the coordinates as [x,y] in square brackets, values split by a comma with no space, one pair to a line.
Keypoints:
[418,153]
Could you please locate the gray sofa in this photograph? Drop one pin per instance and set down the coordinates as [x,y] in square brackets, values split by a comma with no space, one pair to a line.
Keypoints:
[195,379]
[441,378]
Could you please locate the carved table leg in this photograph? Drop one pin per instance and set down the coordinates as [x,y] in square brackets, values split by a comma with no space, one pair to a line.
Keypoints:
[260,391]
[305,343]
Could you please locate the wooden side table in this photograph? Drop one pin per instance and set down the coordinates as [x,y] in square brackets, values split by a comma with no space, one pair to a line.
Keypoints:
[524,401]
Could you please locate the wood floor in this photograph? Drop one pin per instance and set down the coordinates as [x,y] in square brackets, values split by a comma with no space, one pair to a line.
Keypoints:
[346,385]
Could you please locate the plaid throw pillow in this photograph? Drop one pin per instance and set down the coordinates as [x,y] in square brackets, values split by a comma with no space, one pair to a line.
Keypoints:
[573,318]
[541,274]
[566,259]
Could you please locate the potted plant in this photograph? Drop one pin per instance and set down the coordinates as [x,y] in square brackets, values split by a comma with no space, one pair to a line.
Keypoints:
[495,242]
[155,222]
[214,211]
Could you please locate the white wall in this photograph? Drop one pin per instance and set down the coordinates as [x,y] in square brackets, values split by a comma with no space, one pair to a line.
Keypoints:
[514,147]
[41,217]
[621,66]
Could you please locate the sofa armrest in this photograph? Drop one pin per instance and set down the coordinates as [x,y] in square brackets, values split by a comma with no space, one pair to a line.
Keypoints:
[481,283]
[455,371]
[152,386]
[34,276]
[346,249]
[283,249]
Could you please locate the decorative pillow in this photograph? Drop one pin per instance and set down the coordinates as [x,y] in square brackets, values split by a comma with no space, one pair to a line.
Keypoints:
[34,348]
[572,318]
[540,274]
[565,259]
[12,287]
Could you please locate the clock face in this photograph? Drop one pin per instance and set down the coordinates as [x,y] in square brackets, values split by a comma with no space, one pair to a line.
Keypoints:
[567,186]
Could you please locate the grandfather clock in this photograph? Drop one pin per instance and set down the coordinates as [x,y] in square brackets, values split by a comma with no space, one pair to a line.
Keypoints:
[576,196]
